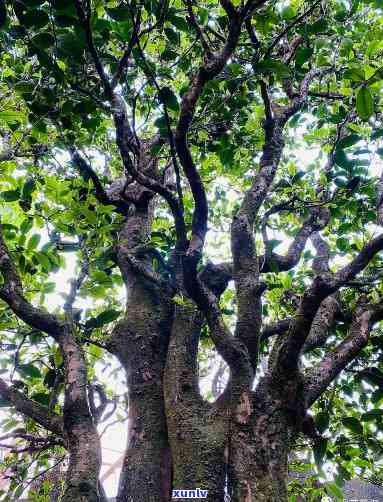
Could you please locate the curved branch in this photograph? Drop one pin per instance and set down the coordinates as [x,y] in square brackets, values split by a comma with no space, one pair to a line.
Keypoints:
[125,139]
[11,291]
[360,262]
[40,414]
[379,200]
[323,285]
[275,262]
[87,172]
[319,378]
[213,66]
[231,348]
[322,323]
[284,32]
[277,328]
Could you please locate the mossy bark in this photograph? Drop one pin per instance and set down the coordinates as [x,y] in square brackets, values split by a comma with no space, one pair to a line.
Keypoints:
[176,440]
[140,342]
[197,431]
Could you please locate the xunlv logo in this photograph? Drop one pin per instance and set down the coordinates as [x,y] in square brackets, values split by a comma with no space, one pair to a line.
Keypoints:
[189,494]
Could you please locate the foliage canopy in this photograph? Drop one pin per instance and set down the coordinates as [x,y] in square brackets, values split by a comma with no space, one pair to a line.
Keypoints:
[87,87]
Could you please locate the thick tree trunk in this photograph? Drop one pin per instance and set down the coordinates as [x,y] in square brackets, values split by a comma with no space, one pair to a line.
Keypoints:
[80,431]
[264,428]
[197,431]
[146,471]
[140,342]
[141,348]
[176,439]
[259,459]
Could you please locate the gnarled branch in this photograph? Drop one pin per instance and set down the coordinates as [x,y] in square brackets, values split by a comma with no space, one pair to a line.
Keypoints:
[318,379]
[39,413]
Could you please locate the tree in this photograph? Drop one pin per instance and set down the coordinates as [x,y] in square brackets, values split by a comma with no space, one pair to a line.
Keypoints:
[134,132]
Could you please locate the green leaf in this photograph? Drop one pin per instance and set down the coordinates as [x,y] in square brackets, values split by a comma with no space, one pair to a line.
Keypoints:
[35,18]
[373,376]
[11,116]
[162,126]
[319,451]
[29,370]
[341,159]
[335,491]
[44,261]
[43,40]
[353,425]
[377,395]
[58,358]
[172,36]
[71,45]
[180,23]
[33,242]
[322,420]
[343,244]
[10,195]
[179,300]
[28,188]
[377,134]
[104,318]
[288,12]
[364,103]
[50,378]
[371,415]
[41,398]
[303,55]
[272,66]
[119,14]
[348,141]
[355,74]
[169,99]
[169,54]
[317,27]
[26,225]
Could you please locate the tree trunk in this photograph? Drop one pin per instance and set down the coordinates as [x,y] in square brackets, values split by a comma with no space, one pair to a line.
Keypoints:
[81,433]
[197,431]
[264,427]
[141,349]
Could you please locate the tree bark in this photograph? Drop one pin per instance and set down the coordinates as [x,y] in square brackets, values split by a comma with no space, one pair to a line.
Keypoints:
[80,431]
[140,342]
[264,427]
[198,431]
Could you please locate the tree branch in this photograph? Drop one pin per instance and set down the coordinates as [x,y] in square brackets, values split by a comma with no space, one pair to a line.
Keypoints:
[322,323]
[231,349]
[11,291]
[208,71]
[360,262]
[323,285]
[319,378]
[40,414]
[272,261]
[197,28]
[88,173]
[379,200]
[125,58]
[146,272]
[284,32]
[85,20]
[277,328]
